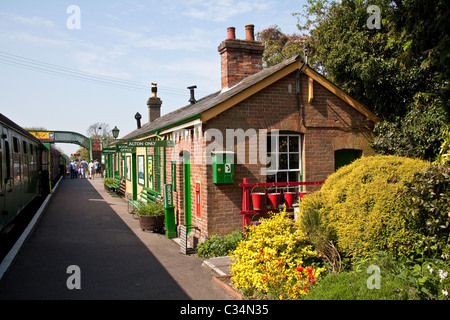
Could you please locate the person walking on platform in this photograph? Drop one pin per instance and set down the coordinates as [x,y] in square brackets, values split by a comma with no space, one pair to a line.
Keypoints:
[91,170]
[97,168]
[84,166]
[76,168]
[72,170]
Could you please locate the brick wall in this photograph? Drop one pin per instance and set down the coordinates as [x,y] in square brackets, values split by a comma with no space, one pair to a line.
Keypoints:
[329,124]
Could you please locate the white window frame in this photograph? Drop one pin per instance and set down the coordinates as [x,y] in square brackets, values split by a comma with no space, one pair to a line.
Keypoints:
[288,152]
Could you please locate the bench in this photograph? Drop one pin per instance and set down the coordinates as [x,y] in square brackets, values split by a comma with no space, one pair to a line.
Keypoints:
[121,189]
[146,195]
[115,184]
[118,186]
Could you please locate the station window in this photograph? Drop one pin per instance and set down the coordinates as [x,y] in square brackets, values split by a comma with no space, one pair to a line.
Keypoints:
[287,156]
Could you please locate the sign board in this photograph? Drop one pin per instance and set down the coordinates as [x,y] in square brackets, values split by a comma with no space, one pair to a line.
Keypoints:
[168,197]
[44,135]
[109,150]
[151,143]
[123,148]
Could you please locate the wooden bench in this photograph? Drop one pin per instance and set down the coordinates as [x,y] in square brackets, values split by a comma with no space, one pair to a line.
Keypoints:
[146,195]
[118,186]
[121,189]
[115,184]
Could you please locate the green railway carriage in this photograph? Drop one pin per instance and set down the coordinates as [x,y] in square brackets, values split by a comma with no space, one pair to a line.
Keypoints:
[23,169]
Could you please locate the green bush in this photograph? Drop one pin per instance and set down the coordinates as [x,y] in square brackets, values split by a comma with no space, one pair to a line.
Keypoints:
[217,246]
[358,209]
[150,209]
[360,283]
[426,203]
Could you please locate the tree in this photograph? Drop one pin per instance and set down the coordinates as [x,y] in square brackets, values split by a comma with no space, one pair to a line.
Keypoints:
[99,130]
[279,46]
[399,70]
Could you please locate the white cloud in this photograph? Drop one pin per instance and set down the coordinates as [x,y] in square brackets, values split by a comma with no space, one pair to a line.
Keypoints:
[223,10]
[32,39]
[34,21]
[189,40]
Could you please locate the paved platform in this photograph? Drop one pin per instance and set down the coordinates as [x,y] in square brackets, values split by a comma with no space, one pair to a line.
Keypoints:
[218,265]
[84,226]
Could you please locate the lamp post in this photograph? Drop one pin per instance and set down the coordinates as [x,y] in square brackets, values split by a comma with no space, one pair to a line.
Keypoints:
[115,132]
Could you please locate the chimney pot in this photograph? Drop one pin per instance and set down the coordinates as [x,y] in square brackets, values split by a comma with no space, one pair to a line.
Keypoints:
[239,58]
[138,117]
[231,33]
[154,89]
[250,32]
[192,98]
[154,105]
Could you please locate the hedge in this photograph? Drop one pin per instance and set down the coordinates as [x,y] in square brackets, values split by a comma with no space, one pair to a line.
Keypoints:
[357,207]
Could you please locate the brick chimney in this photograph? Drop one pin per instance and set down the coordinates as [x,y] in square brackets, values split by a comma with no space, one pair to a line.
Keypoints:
[154,105]
[239,58]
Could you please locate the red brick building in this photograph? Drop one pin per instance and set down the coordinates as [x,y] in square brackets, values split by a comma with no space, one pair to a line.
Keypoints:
[315,126]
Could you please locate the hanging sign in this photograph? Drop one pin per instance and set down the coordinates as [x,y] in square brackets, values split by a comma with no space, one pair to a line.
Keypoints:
[123,148]
[151,143]
[108,150]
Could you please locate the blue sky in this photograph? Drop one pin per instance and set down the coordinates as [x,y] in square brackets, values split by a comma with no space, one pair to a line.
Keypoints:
[67,79]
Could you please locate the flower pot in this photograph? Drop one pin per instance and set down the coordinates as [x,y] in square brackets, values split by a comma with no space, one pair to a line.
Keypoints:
[152,223]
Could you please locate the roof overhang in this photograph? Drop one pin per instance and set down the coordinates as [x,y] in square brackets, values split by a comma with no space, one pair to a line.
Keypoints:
[211,113]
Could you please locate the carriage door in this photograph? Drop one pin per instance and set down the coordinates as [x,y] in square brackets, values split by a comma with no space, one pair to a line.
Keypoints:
[5,177]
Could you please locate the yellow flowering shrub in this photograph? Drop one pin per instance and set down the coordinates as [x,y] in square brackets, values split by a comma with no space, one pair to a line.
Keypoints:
[267,263]
[359,208]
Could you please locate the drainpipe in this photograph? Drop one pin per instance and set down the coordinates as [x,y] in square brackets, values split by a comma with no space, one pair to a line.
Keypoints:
[164,158]
[298,92]
[300,106]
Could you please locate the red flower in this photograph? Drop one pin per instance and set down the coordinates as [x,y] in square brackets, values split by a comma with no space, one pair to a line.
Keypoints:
[309,269]
[299,269]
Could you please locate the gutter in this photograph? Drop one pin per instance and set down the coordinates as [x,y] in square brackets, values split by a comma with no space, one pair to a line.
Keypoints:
[173,124]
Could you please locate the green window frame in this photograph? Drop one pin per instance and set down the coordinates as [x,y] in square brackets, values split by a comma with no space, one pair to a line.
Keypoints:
[141,170]
[158,169]
[128,168]
[150,171]
[288,157]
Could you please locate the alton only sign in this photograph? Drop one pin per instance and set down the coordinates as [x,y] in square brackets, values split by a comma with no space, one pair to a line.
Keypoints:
[151,143]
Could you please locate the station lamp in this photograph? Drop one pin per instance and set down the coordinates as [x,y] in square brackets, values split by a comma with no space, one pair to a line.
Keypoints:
[115,132]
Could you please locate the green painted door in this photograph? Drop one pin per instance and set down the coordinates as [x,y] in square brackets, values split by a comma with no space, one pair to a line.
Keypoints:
[187,187]
[343,157]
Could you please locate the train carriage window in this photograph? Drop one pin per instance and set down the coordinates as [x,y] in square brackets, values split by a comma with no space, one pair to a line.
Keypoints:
[24,147]
[8,161]
[16,144]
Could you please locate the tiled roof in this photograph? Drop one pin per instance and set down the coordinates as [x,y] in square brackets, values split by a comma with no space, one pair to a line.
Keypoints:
[208,102]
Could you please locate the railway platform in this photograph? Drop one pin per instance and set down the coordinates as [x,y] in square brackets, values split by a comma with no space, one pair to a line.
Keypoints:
[86,238]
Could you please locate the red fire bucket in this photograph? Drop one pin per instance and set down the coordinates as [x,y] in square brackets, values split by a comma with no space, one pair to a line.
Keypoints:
[301,194]
[274,199]
[289,196]
[258,199]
